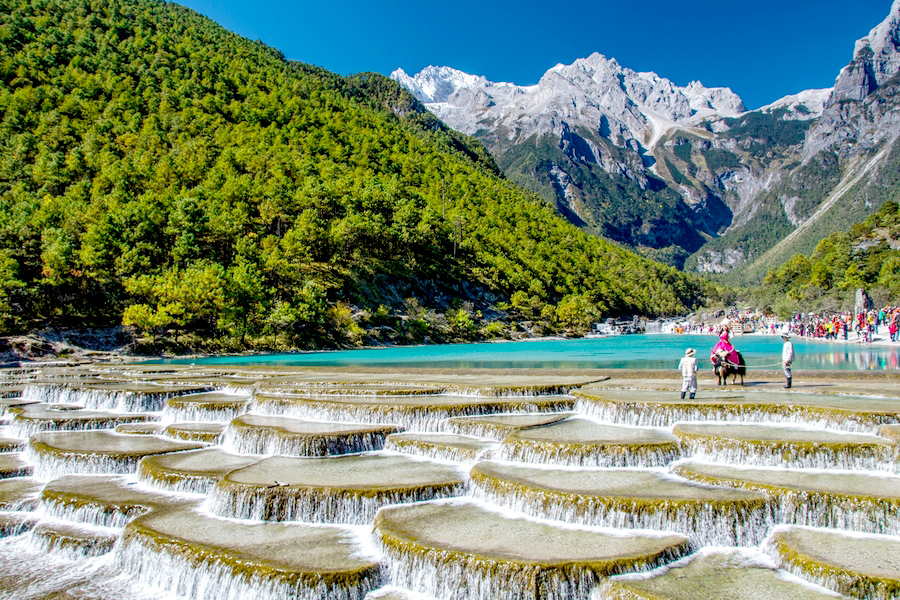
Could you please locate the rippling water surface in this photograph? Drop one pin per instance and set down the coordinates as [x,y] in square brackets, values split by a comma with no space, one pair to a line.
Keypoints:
[614,352]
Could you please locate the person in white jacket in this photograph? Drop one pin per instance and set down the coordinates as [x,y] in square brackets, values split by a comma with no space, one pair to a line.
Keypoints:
[688,368]
[787,357]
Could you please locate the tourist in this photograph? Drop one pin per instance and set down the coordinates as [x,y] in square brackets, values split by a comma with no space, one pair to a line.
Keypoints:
[724,351]
[688,367]
[787,357]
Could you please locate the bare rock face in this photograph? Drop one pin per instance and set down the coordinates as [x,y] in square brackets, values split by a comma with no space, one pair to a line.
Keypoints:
[847,123]
[876,58]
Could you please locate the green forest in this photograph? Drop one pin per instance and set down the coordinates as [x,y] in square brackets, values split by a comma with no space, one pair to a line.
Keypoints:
[867,256]
[160,172]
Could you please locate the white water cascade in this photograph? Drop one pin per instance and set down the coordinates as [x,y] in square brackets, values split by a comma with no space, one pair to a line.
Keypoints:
[334,485]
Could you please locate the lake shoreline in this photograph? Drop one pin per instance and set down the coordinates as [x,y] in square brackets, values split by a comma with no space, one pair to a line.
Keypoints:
[61,352]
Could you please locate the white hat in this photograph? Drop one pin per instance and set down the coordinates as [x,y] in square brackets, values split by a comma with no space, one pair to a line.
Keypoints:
[689,352]
[786,335]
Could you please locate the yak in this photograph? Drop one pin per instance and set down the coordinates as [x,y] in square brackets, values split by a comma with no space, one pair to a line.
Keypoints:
[724,368]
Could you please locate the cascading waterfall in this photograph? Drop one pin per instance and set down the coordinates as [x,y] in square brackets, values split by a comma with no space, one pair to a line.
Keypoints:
[867,515]
[575,455]
[663,414]
[443,575]
[71,419]
[346,507]
[268,441]
[197,415]
[193,472]
[442,446]
[86,548]
[38,573]
[813,456]
[202,557]
[849,563]
[205,407]
[91,514]
[16,464]
[16,523]
[427,415]
[653,327]
[73,541]
[210,579]
[708,523]
[49,466]
[459,560]
[147,399]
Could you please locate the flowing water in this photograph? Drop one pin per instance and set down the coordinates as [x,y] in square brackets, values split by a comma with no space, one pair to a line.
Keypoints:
[662,351]
[447,490]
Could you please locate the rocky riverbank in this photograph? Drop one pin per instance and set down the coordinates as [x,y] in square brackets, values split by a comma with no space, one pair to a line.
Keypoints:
[112,344]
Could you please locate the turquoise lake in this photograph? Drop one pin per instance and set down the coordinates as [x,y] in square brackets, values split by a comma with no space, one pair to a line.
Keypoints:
[614,352]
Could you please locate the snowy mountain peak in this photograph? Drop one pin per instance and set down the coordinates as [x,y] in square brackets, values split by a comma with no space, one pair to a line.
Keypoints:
[629,108]
[806,105]
[437,84]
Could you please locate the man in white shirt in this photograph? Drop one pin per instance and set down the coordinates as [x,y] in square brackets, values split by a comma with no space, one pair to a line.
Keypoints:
[787,357]
[688,367]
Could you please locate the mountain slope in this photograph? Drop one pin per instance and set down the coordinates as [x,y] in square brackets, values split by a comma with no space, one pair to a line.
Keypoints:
[157,169]
[720,187]
[866,255]
[850,157]
[628,155]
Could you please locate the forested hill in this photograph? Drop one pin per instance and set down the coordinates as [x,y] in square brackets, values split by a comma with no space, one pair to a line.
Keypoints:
[865,256]
[158,170]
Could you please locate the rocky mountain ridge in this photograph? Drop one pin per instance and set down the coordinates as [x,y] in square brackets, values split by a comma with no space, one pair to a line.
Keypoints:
[590,90]
[684,174]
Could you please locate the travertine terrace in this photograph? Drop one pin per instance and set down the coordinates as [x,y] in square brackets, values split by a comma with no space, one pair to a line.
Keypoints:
[145,482]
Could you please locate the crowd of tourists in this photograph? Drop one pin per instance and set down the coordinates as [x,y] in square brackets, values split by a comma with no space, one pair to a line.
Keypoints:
[863,326]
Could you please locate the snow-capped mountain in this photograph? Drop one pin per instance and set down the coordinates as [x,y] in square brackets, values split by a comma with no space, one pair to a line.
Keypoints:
[632,109]
[808,104]
[676,171]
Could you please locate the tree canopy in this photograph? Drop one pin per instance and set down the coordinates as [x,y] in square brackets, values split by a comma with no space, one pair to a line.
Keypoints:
[159,171]
[866,256]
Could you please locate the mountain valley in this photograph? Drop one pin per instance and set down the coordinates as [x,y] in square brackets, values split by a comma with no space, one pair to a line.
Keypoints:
[688,175]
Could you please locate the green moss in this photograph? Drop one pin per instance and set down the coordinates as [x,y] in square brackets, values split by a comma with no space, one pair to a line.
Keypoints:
[462,534]
[299,556]
[856,565]
[712,575]
[194,470]
[13,464]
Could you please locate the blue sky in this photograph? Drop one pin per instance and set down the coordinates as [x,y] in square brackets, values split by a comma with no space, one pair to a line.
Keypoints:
[762,50]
